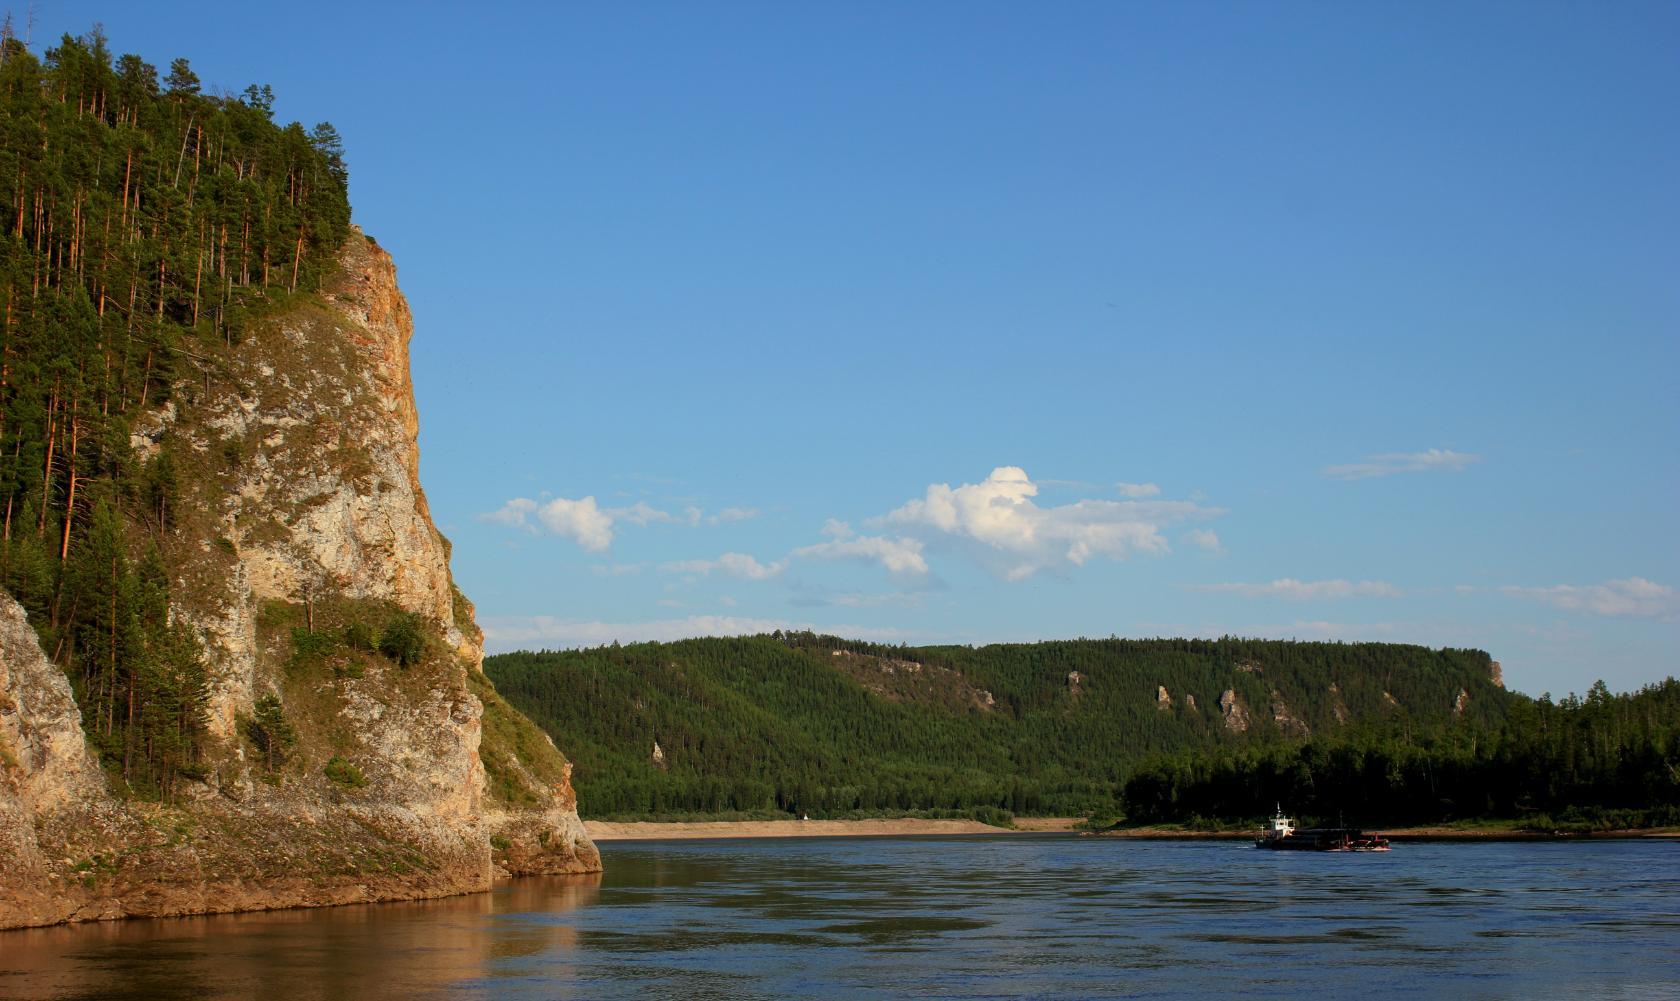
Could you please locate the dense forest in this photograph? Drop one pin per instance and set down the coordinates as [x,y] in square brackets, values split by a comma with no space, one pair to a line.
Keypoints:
[145,223]
[804,723]
[1602,761]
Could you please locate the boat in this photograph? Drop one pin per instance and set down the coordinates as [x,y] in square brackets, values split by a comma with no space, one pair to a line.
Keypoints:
[1281,834]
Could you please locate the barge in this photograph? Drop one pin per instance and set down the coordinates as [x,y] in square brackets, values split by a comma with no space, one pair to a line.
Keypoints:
[1282,835]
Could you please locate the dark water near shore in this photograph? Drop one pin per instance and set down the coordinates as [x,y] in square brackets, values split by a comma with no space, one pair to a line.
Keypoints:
[990,917]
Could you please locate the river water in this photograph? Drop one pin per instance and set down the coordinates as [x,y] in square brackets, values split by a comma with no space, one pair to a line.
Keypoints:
[1053,916]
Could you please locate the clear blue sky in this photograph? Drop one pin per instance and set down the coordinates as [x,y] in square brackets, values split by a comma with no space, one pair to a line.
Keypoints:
[1316,320]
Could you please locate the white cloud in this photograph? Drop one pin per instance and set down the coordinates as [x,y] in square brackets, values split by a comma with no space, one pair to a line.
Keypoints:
[1205,539]
[1631,597]
[899,556]
[514,513]
[1021,538]
[734,564]
[1308,590]
[1137,490]
[643,513]
[1435,460]
[617,569]
[525,632]
[591,526]
[582,521]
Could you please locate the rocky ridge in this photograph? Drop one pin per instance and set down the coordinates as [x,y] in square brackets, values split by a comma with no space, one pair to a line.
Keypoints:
[301,510]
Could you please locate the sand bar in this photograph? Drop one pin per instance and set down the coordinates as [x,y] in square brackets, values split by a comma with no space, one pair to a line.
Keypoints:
[600,830]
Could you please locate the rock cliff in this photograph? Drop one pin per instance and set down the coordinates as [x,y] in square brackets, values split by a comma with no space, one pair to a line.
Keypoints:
[301,526]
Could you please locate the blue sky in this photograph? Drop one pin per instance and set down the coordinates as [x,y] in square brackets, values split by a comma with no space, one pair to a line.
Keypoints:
[973,322]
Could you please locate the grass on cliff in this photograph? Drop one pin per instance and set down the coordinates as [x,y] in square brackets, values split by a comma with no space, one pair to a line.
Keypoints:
[515,752]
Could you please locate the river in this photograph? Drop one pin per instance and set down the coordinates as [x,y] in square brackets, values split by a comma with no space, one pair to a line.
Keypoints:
[1050,916]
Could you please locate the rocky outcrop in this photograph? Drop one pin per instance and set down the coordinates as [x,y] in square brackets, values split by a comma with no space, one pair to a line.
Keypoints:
[1461,701]
[1496,674]
[301,507]
[1338,707]
[1233,711]
[1285,720]
[1189,702]
[1163,700]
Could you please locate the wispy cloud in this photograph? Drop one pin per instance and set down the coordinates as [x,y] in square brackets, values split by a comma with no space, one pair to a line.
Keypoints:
[1137,490]
[1291,589]
[1435,460]
[901,556]
[732,514]
[733,564]
[594,527]
[1630,597]
[1203,538]
[998,520]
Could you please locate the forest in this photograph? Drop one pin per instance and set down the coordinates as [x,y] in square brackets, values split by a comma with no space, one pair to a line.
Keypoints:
[800,723]
[146,223]
[1603,761]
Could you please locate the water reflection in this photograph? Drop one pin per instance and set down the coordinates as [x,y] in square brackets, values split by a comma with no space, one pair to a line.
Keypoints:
[1028,917]
[355,951]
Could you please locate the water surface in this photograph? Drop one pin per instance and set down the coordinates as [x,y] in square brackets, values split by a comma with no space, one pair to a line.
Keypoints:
[1052,916]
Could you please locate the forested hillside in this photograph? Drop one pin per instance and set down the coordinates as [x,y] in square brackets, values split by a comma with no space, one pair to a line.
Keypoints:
[1602,761]
[144,223]
[799,722]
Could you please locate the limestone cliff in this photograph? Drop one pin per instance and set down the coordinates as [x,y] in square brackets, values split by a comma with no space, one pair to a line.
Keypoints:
[301,525]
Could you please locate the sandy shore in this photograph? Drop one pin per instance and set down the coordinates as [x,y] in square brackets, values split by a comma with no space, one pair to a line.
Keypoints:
[600,830]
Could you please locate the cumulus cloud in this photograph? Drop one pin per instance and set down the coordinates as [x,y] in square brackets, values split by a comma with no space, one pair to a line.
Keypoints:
[515,513]
[1630,597]
[1001,519]
[525,632]
[1435,460]
[1137,490]
[582,521]
[733,564]
[1308,590]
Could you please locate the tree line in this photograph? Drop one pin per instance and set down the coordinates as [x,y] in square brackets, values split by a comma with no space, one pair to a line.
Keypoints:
[143,224]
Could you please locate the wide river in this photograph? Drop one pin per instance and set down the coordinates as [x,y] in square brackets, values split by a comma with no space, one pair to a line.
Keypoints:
[1052,916]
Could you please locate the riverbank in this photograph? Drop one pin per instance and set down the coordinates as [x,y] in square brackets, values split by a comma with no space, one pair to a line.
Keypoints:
[600,830]
[1485,832]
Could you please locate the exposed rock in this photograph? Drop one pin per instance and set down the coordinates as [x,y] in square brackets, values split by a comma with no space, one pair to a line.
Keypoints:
[1390,701]
[1338,708]
[1285,720]
[1249,667]
[1163,701]
[1236,715]
[1190,702]
[1073,680]
[324,504]
[1496,675]
[1460,702]
[658,756]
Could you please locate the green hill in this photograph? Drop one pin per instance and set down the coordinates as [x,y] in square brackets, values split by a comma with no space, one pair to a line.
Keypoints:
[806,723]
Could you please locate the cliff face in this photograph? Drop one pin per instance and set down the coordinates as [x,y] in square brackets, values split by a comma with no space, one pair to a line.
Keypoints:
[300,516]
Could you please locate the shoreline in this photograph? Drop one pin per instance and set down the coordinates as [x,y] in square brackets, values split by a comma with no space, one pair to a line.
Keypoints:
[647,830]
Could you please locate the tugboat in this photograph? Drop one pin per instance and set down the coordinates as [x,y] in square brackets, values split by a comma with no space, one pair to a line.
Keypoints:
[1283,835]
